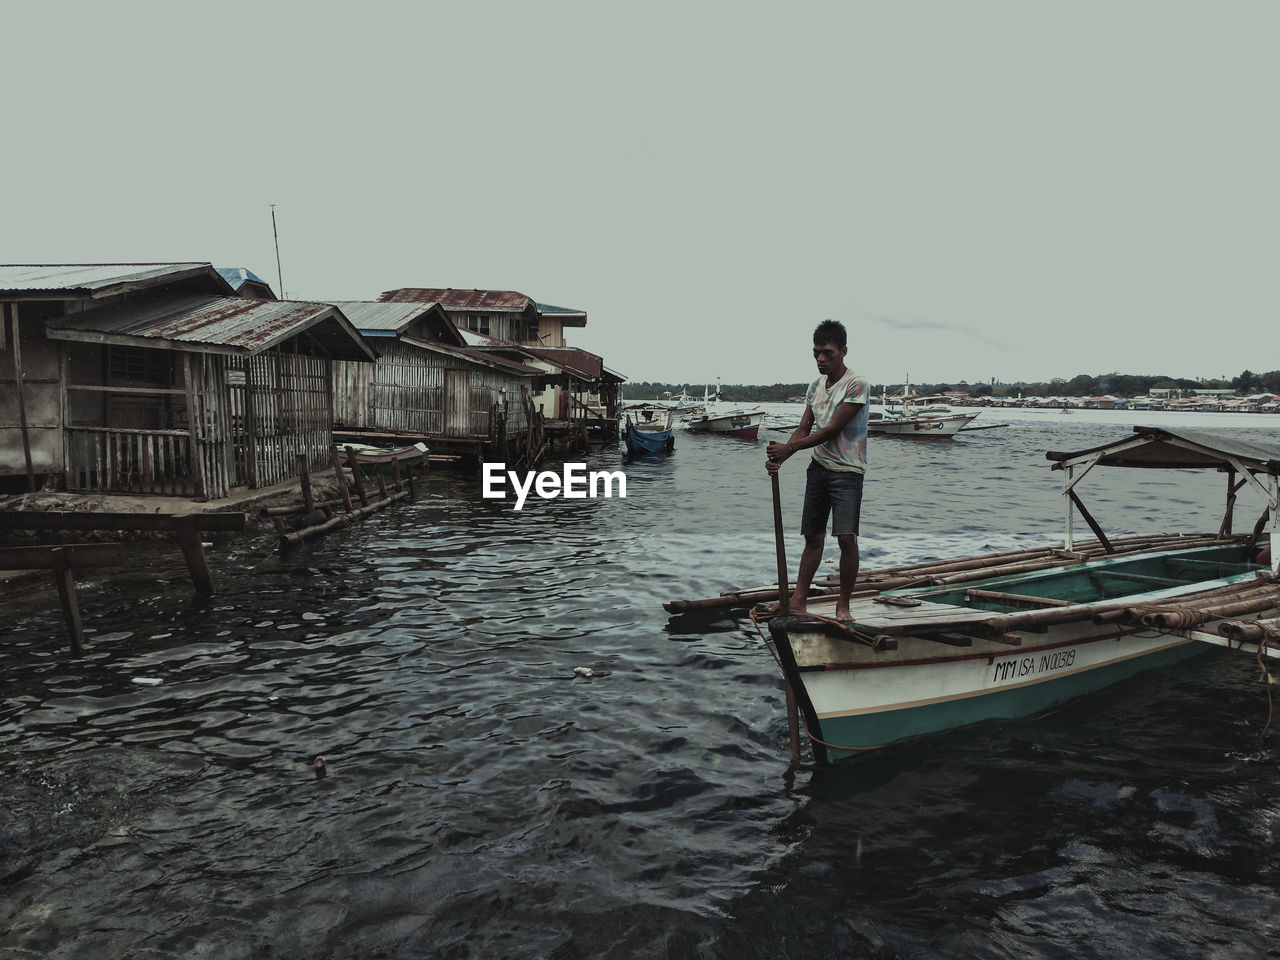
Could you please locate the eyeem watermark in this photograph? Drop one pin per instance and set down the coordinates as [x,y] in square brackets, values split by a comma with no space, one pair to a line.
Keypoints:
[573,484]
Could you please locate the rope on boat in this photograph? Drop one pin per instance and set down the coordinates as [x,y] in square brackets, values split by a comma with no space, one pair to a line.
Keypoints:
[1261,633]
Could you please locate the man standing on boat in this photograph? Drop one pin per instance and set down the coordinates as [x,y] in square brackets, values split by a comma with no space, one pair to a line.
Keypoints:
[834,426]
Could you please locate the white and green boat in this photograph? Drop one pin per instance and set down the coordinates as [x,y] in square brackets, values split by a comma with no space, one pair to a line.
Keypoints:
[937,646]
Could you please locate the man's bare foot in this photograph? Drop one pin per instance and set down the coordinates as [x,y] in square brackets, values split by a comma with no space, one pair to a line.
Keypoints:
[843,614]
[795,607]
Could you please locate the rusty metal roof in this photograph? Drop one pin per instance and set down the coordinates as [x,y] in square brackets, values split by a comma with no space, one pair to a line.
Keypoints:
[496,300]
[199,322]
[87,281]
[578,362]
[482,357]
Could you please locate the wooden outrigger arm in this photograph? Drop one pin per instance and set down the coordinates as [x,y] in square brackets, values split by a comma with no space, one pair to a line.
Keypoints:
[1267,644]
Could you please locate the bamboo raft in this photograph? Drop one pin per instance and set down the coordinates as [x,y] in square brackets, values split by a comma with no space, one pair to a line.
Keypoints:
[1227,603]
[931,573]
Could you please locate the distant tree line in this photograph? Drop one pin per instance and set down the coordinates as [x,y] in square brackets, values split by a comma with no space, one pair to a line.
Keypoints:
[1083,385]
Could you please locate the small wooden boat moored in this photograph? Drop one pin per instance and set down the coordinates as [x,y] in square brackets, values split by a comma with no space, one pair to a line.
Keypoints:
[940,645]
[648,430]
[380,459]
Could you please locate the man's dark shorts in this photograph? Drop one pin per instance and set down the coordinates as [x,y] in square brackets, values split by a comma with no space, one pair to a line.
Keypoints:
[835,493]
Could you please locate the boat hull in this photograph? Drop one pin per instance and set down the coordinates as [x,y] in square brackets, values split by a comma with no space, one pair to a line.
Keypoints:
[650,435]
[740,423]
[920,661]
[639,441]
[387,461]
[925,428]
[849,719]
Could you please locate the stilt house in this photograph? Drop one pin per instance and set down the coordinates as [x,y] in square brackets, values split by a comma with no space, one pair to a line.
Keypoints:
[427,383]
[156,378]
[576,383]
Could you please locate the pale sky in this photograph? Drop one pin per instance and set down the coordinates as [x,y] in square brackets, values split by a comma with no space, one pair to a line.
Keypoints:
[1018,190]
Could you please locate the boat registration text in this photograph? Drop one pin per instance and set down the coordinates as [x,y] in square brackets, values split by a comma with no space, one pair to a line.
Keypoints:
[1018,668]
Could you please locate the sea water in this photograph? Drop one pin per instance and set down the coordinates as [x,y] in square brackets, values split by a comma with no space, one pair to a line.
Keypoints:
[526,757]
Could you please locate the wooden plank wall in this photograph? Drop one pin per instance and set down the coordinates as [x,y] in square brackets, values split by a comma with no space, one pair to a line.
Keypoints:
[213,423]
[41,397]
[285,408]
[404,392]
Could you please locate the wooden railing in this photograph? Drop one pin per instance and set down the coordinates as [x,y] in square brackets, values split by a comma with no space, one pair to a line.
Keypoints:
[117,460]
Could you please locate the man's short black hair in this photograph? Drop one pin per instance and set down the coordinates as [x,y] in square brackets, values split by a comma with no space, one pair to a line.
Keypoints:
[830,331]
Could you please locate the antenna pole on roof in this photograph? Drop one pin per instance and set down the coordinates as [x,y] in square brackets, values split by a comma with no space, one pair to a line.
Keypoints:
[276,235]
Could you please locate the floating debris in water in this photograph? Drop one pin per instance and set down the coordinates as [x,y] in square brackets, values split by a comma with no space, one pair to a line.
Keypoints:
[148,681]
[583,672]
[321,770]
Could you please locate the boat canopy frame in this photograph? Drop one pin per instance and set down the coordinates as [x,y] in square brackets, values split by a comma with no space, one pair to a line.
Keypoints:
[1155,447]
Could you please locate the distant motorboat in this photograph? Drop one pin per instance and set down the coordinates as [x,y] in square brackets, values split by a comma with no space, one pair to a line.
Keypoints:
[913,425]
[912,416]
[733,423]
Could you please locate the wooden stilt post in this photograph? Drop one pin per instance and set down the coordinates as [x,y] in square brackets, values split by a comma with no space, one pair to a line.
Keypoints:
[341,477]
[354,464]
[19,376]
[304,476]
[395,473]
[188,537]
[66,583]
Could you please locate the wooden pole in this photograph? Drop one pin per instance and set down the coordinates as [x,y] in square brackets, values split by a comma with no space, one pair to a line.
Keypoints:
[194,452]
[1093,524]
[341,477]
[784,595]
[784,608]
[355,476]
[188,537]
[304,476]
[19,376]
[66,582]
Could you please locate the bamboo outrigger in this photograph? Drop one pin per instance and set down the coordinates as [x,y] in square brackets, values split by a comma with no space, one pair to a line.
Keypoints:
[938,645]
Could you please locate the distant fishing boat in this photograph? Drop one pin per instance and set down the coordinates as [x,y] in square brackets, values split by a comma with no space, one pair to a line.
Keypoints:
[932,427]
[648,430]
[939,645]
[733,423]
[928,418]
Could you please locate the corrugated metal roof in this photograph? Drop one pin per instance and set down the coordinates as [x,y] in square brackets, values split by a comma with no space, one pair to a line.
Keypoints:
[572,360]
[214,324]
[86,280]
[482,357]
[450,299]
[374,315]
[567,316]
[474,339]
[238,275]
[579,363]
